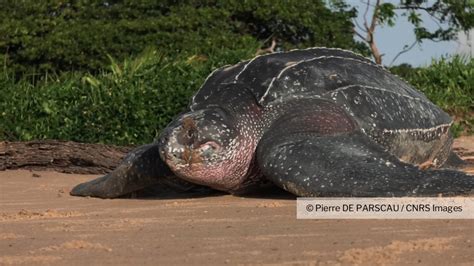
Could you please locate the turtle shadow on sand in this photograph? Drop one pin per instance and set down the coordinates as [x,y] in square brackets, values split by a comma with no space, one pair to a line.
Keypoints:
[158,193]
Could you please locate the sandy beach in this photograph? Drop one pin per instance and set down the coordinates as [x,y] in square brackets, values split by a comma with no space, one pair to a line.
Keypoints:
[41,224]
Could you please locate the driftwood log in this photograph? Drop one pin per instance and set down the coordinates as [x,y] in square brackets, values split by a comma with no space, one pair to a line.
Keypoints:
[83,158]
[61,156]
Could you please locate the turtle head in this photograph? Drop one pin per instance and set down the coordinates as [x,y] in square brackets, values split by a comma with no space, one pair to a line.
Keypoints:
[204,147]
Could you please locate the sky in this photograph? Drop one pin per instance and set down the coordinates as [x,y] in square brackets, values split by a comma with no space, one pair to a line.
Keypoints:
[391,40]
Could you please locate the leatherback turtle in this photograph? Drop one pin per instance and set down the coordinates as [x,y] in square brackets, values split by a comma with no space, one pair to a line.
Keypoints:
[315,122]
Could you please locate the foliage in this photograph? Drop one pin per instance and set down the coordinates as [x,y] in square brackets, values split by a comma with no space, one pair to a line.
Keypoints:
[126,104]
[459,15]
[449,83]
[92,82]
[451,16]
[53,36]
[131,101]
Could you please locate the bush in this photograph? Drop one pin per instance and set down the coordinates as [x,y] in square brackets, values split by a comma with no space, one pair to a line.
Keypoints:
[449,83]
[127,104]
[133,100]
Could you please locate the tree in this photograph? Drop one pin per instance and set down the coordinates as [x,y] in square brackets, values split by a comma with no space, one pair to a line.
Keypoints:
[57,36]
[451,17]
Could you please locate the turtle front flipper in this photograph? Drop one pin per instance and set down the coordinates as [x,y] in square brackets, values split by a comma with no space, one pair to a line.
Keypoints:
[139,169]
[324,154]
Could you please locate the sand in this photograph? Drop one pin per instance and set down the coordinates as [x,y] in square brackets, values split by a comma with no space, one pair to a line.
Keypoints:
[41,224]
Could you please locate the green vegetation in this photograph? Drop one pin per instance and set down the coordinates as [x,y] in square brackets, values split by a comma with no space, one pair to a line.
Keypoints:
[125,104]
[117,71]
[38,37]
[450,16]
[60,77]
[449,83]
[131,101]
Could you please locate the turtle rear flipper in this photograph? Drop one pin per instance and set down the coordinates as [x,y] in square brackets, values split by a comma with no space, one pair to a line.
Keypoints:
[139,169]
[455,162]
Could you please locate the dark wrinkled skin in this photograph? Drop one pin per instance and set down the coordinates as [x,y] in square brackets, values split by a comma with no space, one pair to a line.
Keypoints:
[315,122]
